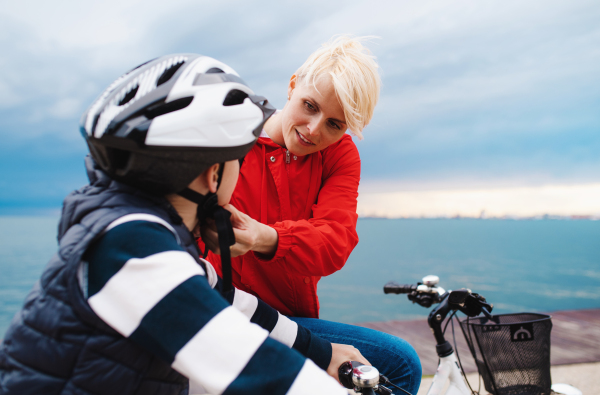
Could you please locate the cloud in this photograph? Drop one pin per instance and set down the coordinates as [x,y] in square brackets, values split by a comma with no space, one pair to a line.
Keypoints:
[66,108]
[61,57]
[553,200]
[474,93]
[474,86]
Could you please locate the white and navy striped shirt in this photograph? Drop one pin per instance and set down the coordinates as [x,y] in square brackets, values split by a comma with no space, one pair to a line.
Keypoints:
[142,283]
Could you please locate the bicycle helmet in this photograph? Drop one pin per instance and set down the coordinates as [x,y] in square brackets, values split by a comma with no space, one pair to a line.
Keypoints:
[163,123]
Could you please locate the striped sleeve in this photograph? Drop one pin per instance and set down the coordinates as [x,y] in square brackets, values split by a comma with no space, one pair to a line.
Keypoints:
[146,287]
[282,328]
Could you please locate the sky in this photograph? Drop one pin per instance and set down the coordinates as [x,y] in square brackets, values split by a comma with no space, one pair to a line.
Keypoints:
[489,106]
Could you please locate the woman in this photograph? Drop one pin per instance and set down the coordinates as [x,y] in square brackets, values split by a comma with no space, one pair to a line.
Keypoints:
[298,188]
[298,185]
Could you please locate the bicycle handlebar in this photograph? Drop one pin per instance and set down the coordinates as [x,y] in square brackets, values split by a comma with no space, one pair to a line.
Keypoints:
[394,288]
[362,379]
[428,292]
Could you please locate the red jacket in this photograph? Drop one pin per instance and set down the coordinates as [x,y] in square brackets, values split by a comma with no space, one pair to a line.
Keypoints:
[311,202]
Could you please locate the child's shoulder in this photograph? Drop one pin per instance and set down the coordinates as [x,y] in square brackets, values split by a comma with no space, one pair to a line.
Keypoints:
[140,231]
[128,242]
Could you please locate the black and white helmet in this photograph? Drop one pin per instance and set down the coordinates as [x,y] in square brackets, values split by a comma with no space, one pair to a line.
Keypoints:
[163,123]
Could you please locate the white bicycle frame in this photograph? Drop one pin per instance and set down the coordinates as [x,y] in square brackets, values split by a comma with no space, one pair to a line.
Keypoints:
[448,373]
[448,370]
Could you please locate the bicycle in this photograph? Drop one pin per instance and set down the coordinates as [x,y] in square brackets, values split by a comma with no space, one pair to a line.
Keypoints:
[426,293]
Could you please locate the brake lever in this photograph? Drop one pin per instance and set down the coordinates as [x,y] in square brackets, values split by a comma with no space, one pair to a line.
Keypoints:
[470,303]
[486,313]
[381,390]
[426,299]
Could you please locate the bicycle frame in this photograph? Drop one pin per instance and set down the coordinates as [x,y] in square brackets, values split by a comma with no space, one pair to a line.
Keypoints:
[426,293]
[448,370]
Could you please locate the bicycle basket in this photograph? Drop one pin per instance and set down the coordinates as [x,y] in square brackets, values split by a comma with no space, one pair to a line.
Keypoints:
[512,352]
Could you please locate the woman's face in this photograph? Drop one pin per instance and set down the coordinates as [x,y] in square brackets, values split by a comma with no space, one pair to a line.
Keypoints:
[312,119]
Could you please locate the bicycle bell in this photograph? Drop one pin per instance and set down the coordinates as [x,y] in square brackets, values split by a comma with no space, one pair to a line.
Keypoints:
[365,376]
[431,280]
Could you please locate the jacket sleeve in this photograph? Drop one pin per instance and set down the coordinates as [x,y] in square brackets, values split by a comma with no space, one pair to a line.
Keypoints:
[280,327]
[321,245]
[147,288]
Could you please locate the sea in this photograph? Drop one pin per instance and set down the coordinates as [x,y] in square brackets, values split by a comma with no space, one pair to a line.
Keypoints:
[517,265]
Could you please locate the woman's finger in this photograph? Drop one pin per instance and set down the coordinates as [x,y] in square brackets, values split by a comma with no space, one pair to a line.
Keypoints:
[238,219]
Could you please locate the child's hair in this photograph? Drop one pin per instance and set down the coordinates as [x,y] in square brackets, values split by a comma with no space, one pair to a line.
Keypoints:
[354,75]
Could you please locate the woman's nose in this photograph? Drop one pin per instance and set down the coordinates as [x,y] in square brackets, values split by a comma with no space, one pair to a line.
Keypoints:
[315,126]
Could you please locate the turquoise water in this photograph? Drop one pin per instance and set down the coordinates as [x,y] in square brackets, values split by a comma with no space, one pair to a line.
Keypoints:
[542,265]
[527,265]
[26,245]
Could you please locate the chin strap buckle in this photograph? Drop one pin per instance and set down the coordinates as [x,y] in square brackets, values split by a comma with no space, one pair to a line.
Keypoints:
[208,207]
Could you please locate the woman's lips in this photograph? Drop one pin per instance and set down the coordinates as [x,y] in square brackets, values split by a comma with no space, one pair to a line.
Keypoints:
[303,140]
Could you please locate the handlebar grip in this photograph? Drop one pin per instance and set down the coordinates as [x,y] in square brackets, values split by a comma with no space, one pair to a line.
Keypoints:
[345,373]
[394,288]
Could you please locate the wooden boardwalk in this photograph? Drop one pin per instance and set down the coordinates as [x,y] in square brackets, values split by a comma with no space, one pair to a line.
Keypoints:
[575,338]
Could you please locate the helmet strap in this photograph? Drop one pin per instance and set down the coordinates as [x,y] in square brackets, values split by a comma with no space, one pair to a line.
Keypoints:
[208,207]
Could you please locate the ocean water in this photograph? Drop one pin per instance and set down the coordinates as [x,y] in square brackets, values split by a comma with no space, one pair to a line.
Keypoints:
[518,265]
[26,245]
[543,265]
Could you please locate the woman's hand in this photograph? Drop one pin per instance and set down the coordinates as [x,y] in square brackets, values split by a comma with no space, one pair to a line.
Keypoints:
[341,353]
[250,235]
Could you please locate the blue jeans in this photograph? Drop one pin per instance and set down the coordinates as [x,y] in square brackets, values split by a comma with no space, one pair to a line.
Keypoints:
[392,356]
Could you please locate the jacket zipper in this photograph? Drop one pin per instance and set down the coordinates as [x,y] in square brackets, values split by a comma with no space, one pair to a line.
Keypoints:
[287,156]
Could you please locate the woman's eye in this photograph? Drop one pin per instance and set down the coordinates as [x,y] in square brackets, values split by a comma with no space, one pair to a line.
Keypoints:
[309,106]
[334,125]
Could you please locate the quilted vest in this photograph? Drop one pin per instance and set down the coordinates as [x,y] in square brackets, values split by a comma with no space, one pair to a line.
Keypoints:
[56,344]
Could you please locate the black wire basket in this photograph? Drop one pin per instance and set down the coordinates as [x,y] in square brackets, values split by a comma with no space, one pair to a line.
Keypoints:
[512,352]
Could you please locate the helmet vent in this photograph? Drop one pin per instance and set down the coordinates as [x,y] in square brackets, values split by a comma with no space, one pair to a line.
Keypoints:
[95,123]
[164,108]
[214,70]
[235,97]
[130,95]
[168,73]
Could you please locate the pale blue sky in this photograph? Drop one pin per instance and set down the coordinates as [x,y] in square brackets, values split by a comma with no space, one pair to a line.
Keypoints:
[475,93]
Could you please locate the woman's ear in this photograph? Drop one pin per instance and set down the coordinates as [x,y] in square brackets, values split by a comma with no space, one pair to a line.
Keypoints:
[292,86]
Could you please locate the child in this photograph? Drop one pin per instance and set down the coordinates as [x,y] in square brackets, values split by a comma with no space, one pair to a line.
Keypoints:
[126,306]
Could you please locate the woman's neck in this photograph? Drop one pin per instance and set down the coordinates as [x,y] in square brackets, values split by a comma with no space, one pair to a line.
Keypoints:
[273,127]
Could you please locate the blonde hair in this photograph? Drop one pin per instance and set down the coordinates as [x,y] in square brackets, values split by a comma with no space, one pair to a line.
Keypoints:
[354,75]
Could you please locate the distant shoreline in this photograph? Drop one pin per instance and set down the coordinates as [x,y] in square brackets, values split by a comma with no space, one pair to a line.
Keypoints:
[55,212]
[503,218]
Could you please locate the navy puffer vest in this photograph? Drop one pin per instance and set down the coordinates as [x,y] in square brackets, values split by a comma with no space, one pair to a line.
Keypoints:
[56,344]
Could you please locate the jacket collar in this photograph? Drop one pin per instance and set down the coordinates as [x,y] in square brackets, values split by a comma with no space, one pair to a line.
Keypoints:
[266,141]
